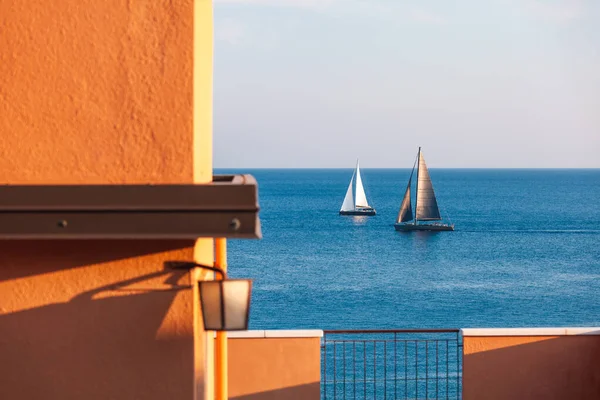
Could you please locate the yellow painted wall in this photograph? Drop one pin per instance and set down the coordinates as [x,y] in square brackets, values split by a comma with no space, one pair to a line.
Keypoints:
[103,92]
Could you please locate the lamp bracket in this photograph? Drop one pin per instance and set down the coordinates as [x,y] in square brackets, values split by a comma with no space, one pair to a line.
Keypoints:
[191,264]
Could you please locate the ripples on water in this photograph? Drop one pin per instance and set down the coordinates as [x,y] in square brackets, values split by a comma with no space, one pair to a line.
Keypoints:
[525,252]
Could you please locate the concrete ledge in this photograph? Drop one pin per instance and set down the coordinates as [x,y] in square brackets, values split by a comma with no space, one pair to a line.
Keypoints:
[583,331]
[529,331]
[306,333]
[245,334]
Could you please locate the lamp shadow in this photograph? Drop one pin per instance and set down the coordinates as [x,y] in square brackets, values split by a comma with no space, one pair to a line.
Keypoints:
[300,392]
[102,343]
[23,258]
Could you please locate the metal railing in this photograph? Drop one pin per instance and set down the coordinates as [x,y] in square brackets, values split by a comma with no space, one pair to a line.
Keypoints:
[391,364]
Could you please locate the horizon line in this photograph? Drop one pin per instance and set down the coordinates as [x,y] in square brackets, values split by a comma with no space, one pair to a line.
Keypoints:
[474,168]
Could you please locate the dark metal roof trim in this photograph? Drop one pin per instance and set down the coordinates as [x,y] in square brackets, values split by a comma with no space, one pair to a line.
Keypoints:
[227,207]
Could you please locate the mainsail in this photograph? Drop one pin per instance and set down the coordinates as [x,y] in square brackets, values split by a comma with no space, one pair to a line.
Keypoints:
[348,204]
[426,208]
[361,197]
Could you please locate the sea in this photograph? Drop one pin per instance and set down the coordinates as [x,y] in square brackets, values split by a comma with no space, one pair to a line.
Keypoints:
[525,252]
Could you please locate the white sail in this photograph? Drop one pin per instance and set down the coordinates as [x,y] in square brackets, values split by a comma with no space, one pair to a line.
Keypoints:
[348,204]
[361,197]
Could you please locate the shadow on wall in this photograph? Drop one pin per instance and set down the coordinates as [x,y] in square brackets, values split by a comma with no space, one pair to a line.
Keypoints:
[275,368]
[93,332]
[22,258]
[565,367]
[301,392]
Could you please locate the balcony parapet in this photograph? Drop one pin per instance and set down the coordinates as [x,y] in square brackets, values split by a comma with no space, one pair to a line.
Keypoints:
[531,363]
[481,332]
[274,364]
[277,333]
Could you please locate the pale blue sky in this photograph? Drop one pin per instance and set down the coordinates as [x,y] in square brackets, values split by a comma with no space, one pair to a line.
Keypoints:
[476,83]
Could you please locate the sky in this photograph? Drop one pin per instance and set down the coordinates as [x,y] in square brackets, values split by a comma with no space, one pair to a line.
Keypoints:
[476,83]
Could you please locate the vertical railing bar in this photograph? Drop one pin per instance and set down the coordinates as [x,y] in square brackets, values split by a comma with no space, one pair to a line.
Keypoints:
[426,369]
[334,374]
[437,365]
[395,366]
[384,369]
[354,364]
[365,367]
[375,369]
[416,369]
[344,358]
[447,369]
[406,370]
[457,368]
[325,364]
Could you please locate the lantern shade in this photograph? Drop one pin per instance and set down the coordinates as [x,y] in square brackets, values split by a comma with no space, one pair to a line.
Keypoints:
[225,304]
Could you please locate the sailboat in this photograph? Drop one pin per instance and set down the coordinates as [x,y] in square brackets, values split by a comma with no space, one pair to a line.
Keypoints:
[356,204]
[426,209]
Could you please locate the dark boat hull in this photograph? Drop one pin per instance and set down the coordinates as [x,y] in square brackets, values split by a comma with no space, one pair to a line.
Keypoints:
[369,212]
[423,227]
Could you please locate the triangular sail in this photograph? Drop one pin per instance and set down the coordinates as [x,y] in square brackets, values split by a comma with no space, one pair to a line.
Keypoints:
[405,213]
[348,204]
[426,208]
[361,197]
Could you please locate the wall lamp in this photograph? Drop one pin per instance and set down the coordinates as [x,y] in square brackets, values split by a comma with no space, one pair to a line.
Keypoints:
[225,303]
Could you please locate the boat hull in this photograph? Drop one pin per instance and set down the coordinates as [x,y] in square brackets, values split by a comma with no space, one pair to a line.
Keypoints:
[370,212]
[423,227]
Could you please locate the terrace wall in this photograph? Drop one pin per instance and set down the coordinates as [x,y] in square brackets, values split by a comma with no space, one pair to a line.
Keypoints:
[538,363]
[267,365]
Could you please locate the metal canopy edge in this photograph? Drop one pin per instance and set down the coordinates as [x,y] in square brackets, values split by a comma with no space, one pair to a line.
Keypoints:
[227,207]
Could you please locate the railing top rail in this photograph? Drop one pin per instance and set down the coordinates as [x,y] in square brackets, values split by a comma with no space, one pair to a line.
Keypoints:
[342,331]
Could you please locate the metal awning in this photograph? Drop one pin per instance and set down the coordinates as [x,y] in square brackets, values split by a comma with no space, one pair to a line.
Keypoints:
[227,207]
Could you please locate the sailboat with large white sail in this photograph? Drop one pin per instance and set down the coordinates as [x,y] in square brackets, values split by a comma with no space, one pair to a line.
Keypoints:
[426,207]
[355,202]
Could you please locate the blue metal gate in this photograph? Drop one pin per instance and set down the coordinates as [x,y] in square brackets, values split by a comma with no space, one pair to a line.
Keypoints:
[391,364]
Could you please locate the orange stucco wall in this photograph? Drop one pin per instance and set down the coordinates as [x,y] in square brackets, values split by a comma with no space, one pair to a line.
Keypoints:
[531,367]
[96,91]
[102,92]
[274,368]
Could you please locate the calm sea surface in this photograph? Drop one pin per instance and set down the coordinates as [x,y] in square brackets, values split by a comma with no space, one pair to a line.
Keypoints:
[526,252]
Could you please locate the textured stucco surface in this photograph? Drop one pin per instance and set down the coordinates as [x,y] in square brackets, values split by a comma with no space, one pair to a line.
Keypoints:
[101,92]
[94,320]
[274,368]
[96,91]
[531,367]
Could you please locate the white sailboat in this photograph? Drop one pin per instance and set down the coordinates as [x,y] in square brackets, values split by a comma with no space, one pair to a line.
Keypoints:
[355,202]
[426,209]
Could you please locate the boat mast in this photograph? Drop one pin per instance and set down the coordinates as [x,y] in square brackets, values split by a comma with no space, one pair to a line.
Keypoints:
[417,190]
[355,183]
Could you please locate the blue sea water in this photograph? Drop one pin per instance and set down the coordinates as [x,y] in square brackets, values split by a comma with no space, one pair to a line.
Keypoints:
[526,252]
